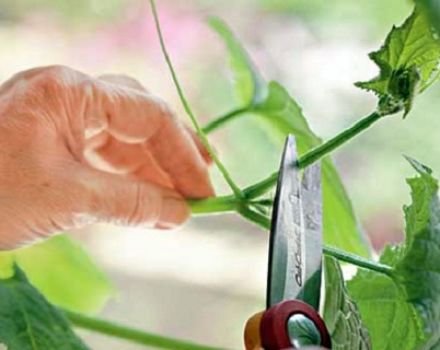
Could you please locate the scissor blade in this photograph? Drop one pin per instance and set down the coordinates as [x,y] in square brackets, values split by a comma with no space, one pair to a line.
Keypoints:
[311,200]
[295,250]
[286,247]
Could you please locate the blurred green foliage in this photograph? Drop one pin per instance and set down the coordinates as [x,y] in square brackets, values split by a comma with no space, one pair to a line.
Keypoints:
[61,270]
[83,11]
[432,8]
[29,322]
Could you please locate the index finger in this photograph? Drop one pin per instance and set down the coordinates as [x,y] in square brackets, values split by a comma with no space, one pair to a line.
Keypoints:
[134,116]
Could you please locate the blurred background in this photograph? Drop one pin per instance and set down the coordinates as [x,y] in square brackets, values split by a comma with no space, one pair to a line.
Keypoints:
[202,282]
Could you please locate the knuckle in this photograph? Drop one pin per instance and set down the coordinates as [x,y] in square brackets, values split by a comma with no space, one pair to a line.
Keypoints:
[51,76]
[167,118]
[122,80]
[165,111]
[53,79]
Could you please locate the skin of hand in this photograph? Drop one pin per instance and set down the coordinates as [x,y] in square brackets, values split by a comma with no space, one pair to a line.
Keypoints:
[77,150]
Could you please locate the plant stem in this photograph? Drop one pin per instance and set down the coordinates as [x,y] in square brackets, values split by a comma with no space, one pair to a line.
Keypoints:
[131,334]
[339,254]
[261,187]
[218,122]
[254,216]
[235,189]
[213,205]
[358,261]
[325,148]
[316,153]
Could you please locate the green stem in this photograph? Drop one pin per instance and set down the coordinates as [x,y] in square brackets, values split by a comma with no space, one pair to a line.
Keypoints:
[261,187]
[218,122]
[213,205]
[339,254]
[235,189]
[330,145]
[254,216]
[316,153]
[131,334]
[358,261]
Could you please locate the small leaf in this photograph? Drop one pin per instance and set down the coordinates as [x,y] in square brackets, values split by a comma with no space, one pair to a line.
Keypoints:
[249,84]
[407,62]
[340,312]
[61,270]
[281,115]
[410,302]
[29,322]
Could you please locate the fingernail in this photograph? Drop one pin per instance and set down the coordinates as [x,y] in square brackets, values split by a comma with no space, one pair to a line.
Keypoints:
[175,211]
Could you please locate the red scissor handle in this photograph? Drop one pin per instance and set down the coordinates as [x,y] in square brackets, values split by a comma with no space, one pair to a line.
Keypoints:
[273,326]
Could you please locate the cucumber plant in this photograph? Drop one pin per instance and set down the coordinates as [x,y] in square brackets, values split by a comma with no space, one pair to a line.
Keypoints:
[391,303]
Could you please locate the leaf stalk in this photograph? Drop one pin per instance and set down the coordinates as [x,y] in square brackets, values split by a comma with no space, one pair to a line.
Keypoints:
[235,189]
[218,122]
[315,154]
[231,204]
[358,261]
[131,334]
[212,205]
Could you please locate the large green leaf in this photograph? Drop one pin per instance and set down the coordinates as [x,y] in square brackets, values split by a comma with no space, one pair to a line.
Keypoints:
[29,322]
[341,314]
[61,270]
[281,116]
[404,312]
[392,322]
[407,61]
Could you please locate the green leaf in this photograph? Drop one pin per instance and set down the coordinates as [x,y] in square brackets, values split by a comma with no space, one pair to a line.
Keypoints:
[410,302]
[392,322]
[249,84]
[281,116]
[407,62]
[29,322]
[417,264]
[432,8]
[341,314]
[61,270]
[6,265]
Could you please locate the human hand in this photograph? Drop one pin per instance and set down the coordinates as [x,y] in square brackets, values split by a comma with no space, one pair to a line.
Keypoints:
[77,150]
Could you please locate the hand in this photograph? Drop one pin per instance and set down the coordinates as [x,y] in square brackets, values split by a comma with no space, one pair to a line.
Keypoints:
[77,150]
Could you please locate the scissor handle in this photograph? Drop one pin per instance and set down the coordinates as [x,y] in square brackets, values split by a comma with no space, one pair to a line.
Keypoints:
[252,337]
[268,330]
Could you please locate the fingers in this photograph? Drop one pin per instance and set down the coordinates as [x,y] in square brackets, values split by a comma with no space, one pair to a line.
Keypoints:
[106,153]
[202,149]
[118,200]
[176,153]
[138,118]
[124,80]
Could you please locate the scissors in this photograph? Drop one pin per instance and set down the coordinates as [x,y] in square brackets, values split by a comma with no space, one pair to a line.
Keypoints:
[291,319]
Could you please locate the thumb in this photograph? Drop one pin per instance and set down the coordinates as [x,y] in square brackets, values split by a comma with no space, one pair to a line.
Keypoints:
[122,201]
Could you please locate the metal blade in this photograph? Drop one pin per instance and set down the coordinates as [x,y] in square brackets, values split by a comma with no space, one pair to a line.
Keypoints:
[295,250]
[311,200]
[285,273]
